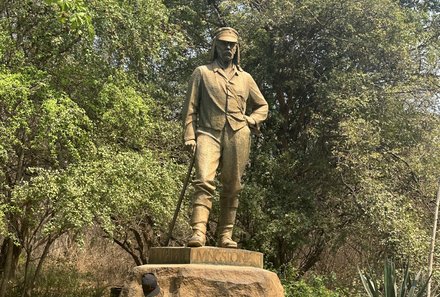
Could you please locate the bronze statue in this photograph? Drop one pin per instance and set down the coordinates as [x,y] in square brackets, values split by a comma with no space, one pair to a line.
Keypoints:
[217,130]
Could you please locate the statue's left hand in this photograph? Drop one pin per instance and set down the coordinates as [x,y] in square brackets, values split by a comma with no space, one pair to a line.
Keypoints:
[251,122]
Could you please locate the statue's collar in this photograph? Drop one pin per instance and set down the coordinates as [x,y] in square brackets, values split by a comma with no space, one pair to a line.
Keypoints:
[216,68]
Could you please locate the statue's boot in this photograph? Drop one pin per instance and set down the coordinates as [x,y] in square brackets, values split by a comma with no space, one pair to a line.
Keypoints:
[199,219]
[226,224]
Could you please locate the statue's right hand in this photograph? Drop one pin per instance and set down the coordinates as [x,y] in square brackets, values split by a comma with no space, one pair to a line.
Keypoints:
[190,145]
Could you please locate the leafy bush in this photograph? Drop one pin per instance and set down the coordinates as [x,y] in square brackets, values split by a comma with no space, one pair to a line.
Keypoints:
[312,286]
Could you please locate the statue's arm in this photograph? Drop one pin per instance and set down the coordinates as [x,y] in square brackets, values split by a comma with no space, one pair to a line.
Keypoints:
[259,105]
[190,109]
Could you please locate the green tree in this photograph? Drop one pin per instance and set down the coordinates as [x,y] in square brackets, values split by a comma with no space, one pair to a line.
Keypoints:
[77,107]
[347,157]
[41,129]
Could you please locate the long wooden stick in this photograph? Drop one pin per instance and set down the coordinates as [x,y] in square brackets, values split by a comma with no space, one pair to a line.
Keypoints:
[179,203]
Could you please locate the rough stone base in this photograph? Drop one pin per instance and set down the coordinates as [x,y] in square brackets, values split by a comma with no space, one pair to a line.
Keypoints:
[195,280]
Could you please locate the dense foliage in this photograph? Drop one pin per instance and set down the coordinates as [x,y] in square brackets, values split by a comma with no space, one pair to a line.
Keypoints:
[345,170]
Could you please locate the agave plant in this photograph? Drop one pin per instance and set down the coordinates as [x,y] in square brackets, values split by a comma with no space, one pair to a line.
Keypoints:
[411,286]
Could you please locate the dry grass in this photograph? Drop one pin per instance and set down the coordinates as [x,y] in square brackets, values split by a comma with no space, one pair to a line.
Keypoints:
[103,262]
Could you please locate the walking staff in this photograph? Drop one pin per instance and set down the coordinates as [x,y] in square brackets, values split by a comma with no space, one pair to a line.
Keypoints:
[179,202]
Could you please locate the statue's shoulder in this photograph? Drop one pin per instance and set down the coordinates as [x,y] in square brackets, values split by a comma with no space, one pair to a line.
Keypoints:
[206,67]
[242,71]
[247,77]
[200,70]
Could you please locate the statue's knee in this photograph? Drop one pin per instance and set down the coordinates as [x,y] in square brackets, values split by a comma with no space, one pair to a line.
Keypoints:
[231,192]
[201,198]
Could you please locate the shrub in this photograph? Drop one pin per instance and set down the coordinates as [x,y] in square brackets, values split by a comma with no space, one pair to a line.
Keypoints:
[410,286]
[63,280]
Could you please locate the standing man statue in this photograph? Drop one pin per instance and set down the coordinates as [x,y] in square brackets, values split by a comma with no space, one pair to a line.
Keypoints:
[217,130]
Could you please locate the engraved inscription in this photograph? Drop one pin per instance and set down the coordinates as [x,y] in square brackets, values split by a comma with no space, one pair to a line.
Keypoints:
[205,256]
[214,256]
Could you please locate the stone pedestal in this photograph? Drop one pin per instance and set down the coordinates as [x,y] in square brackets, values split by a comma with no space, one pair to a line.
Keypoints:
[206,255]
[206,272]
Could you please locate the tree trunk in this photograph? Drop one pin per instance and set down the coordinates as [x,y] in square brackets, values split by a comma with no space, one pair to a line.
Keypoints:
[26,271]
[31,284]
[8,267]
[434,231]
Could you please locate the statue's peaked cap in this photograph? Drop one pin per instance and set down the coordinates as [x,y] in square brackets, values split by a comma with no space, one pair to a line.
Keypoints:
[226,34]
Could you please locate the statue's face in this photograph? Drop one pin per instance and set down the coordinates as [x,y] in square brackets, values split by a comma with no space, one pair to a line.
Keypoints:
[226,50]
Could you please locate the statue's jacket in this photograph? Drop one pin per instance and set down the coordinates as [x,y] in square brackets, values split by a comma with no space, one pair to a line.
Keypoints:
[213,100]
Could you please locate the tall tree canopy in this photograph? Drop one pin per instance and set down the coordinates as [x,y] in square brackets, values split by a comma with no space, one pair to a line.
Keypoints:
[83,137]
[344,172]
